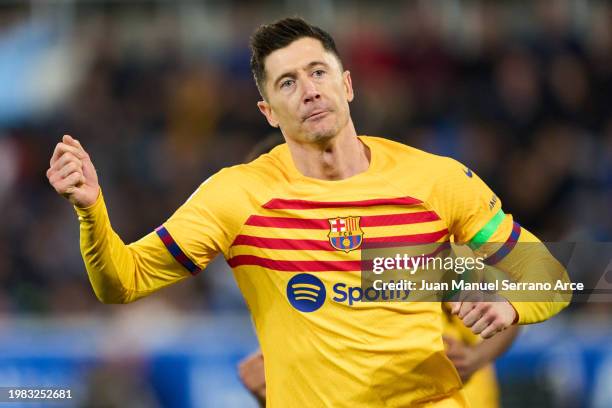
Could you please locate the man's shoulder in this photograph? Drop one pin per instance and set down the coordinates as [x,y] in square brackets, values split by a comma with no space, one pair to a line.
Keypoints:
[266,168]
[256,176]
[406,156]
[265,164]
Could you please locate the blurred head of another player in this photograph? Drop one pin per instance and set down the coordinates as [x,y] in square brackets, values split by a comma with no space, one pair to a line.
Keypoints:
[298,72]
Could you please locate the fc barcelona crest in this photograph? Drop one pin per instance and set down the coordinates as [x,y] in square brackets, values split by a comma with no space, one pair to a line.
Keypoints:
[345,234]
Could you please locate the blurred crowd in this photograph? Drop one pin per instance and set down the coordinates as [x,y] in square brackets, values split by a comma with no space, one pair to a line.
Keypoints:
[161,96]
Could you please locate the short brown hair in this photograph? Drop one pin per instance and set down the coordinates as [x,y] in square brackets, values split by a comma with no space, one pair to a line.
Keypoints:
[271,37]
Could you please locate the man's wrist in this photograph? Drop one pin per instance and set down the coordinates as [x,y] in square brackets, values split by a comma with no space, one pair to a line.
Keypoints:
[516,314]
[88,211]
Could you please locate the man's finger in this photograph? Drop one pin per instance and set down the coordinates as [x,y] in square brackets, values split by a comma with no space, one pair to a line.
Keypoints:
[466,307]
[62,148]
[68,184]
[56,154]
[69,140]
[64,159]
[482,324]
[491,330]
[74,142]
[64,171]
[70,168]
[472,316]
[77,143]
[55,177]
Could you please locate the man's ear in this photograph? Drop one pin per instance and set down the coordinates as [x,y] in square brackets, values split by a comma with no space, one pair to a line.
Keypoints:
[266,110]
[348,85]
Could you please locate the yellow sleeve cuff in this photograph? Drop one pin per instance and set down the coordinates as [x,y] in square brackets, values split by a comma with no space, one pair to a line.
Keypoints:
[535,312]
[89,212]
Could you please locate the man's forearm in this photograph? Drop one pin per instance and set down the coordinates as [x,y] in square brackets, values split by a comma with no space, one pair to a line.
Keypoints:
[104,253]
[121,273]
[531,262]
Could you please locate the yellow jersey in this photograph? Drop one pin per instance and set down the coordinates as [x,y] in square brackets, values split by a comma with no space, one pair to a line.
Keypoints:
[294,244]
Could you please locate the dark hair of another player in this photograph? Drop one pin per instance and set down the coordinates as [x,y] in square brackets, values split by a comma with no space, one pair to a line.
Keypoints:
[271,37]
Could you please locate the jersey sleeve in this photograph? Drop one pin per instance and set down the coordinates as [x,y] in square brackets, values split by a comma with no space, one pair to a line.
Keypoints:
[469,207]
[121,273]
[202,227]
[474,217]
[181,247]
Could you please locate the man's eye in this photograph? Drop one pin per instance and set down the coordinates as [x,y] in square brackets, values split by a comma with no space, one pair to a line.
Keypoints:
[318,73]
[286,83]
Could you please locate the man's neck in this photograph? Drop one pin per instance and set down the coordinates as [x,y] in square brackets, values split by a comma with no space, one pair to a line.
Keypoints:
[338,158]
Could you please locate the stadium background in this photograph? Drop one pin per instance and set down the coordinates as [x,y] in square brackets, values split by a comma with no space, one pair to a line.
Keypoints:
[161,95]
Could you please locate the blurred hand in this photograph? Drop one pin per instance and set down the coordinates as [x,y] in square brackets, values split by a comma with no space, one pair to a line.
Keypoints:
[72,174]
[465,358]
[485,318]
[251,372]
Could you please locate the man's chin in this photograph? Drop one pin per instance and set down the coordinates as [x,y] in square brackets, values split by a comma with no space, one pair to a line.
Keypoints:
[319,137]
[321,134]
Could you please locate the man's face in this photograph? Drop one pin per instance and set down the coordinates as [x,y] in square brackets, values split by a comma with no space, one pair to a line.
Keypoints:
[307,94]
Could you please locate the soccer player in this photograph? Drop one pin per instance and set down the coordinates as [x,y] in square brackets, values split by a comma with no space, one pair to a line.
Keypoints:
[291,224]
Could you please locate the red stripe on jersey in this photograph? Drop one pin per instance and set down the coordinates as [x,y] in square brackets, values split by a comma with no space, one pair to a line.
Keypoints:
[398,219]
[323,223]
[314,244]
[287,222]
[315,266]
[428,237]
[295,266]
[287,204]
[283,243]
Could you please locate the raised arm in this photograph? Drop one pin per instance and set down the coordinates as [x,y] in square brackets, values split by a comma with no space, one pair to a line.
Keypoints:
[118,273]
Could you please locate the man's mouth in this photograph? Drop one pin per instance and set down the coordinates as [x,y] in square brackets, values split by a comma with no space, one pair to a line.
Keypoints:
[319,113]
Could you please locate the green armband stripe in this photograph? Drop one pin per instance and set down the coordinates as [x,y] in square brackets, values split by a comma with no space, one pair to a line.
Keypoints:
[487,231]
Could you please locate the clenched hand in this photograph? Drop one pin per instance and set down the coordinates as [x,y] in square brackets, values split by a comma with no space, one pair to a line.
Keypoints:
[72,174]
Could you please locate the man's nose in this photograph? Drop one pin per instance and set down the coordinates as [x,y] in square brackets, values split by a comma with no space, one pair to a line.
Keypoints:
[311,92]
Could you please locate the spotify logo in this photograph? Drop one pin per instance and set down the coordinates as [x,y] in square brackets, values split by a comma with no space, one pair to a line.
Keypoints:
[306,292]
